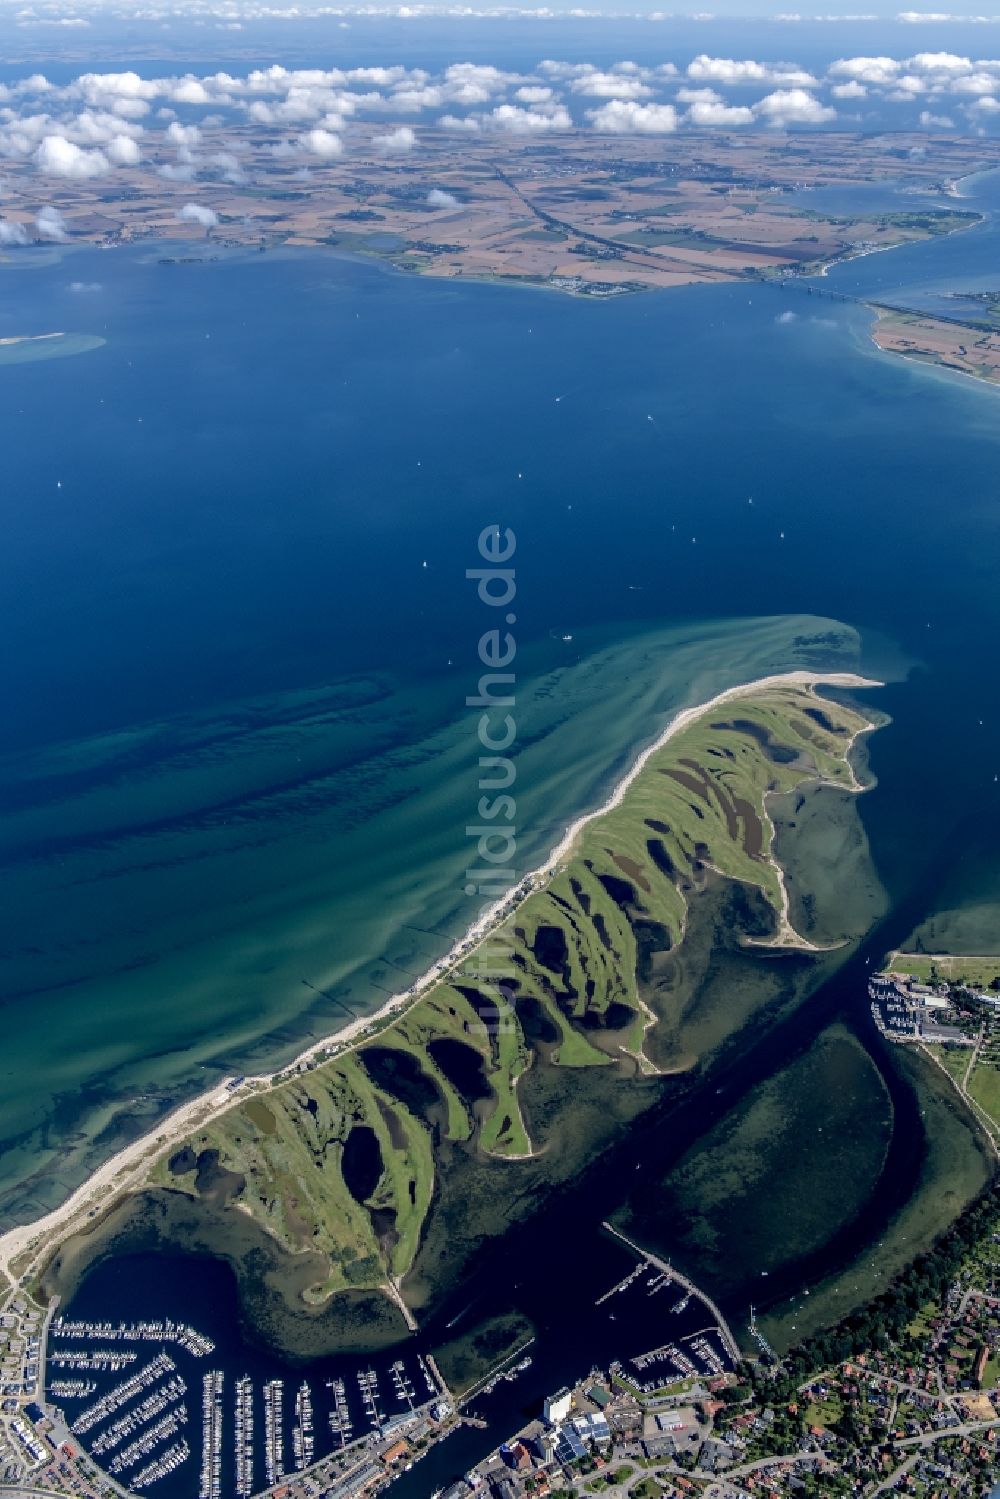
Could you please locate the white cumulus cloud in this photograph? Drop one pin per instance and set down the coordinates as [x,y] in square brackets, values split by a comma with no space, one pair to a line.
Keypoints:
[190,91]
[50,224]
[939,62]
[58,157]
[517,121]
[705,69]
[793,106]
[879,71]
[170,173]
[850,90]
[975,83]
[397,142]
[908,87]
[468,124]
[322,143]
[182,135]
[610,86]
[931,121]
[123,151]
[197,213]
[438,198]
[622,117]
[708,115]
[12,234]
[104,90]
[469,83]
[697,96]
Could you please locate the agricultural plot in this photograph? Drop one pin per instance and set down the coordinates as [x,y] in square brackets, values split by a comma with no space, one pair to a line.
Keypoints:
[947,968]
[966,348]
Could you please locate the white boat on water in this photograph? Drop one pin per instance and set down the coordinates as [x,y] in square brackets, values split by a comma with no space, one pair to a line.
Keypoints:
[303,1442]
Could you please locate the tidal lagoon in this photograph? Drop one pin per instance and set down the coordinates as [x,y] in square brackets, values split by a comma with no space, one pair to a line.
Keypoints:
[239,777]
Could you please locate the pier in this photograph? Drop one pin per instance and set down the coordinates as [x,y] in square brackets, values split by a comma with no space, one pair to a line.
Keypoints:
[123,1393]
[759,1337]
[368,1385]
[340,1417]
[244,1437]
[274,1431]
[128,1390]
[303,1443]
[210,1479]
[434,1379]
[151,1407]
[163,1331]
[622,1285]
[506,1369]
[102,1359]
[729,1342]
[167,1426]
[171,1459]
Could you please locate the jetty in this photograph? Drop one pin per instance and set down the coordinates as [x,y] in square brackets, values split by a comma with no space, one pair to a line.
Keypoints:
[303,1442]
[243,1415]
[274,1433]
[210,1479]
[340,1417]
[729,1342]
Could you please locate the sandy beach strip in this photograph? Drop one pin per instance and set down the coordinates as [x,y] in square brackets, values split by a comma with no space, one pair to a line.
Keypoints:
[125,1170]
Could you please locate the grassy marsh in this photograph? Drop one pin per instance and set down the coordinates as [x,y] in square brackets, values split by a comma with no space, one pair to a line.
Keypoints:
[589,984]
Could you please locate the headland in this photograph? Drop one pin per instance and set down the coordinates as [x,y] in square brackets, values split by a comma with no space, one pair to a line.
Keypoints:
[473,1043]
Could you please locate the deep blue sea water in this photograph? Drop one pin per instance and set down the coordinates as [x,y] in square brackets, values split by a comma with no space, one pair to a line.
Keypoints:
[235,692]
[238,628]
[922,275]
[202,1295]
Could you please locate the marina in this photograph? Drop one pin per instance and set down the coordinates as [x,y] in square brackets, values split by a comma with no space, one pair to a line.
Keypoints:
[133,1385]
[402,1383]
[122,1393]
[174,1457]
[165,1331]
[368,1385]
[71,1389]
[243,1438]
[133,1420]
[210,1482]
[166,1427]
[274,1436]
[303,1443]
[340,1417]
[98,1358]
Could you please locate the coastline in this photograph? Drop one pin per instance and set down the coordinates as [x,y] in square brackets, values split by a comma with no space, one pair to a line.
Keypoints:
[786,936]
[879,313]
[899,244]
[126,1169]
[953,188]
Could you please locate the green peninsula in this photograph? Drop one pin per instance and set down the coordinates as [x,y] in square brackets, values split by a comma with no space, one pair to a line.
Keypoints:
[338,1157]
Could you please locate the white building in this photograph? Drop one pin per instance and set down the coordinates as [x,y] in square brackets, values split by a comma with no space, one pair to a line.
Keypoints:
[557,1407]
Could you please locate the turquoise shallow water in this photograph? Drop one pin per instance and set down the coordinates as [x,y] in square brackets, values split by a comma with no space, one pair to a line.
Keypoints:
[238,757]
[206,891]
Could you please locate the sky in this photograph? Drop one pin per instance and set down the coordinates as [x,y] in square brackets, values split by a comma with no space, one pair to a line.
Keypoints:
[321,77]
[92,88]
